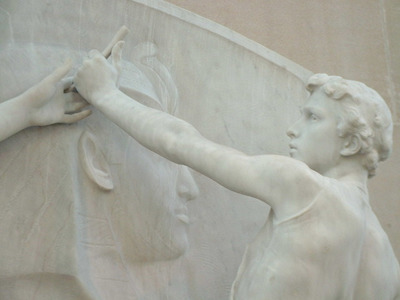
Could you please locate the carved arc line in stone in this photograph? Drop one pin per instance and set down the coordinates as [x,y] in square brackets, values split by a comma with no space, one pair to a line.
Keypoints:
[145,55]
[228,34]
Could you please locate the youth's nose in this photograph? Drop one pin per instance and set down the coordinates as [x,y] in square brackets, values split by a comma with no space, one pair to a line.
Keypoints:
[290,132]
[186,185]
[293,131]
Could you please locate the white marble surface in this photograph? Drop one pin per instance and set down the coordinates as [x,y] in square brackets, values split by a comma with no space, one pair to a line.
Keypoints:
[232,90]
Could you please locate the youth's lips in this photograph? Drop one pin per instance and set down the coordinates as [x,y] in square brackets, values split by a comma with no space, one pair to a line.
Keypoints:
[292,149]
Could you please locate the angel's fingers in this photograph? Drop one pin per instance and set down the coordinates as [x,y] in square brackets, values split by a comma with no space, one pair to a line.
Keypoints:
[71,118]
[59,73]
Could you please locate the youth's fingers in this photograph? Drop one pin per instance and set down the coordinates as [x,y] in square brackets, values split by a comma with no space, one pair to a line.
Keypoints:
[94,53]
[75,106]
[116,55]
[67,82]
[73,102]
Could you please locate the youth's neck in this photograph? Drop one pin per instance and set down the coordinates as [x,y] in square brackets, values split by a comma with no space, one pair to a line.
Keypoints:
[349,171]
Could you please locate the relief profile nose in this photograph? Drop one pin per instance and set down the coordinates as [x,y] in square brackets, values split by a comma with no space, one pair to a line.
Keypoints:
[186,186]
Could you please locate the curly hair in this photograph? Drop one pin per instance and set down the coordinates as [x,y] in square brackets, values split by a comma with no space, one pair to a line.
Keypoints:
[364,114]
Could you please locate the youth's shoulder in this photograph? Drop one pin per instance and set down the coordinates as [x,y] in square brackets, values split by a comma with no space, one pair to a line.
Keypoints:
[288,184]
[291,171]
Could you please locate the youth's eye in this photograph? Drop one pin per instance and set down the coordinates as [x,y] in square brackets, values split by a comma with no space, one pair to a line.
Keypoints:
[314,117]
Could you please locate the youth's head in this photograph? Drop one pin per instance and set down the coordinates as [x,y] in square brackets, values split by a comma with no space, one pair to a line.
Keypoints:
[361,119]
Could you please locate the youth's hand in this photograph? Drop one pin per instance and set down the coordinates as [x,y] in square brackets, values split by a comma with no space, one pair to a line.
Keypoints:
[47,103]
[97,77]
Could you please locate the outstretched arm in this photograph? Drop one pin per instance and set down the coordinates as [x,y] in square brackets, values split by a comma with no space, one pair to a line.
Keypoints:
[43,104]
[268,178]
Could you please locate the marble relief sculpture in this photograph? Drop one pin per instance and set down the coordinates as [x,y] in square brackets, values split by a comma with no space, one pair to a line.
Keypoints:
[81,236]
[97,207]
[322,240]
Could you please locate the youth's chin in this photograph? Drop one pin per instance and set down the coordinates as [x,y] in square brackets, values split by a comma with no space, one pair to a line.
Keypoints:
[297,156]
[303,157]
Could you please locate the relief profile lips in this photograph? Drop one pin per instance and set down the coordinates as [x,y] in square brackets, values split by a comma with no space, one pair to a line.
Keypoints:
[181,214]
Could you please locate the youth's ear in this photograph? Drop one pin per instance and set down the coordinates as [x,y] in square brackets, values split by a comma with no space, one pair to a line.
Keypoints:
[93,161]
[351,146]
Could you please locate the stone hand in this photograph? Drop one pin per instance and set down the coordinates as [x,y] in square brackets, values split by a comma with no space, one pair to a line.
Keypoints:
[96,77]
[47,103]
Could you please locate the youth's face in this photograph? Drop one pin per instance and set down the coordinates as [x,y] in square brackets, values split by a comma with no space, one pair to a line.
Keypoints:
[314,137]
[152,209]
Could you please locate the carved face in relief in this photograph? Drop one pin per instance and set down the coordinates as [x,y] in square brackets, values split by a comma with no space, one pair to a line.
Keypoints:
[314,137]
[147,206]
[151,209]
[145,195]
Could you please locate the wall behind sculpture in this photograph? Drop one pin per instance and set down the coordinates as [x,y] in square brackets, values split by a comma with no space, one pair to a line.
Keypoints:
[357,39]
[354,39]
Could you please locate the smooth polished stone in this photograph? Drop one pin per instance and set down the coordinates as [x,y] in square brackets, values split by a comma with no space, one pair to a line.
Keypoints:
[67,235]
